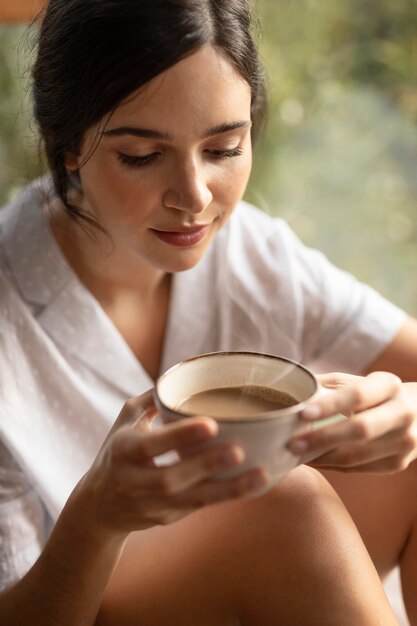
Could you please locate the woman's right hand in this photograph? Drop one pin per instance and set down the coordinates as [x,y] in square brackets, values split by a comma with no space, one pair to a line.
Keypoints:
[128,491]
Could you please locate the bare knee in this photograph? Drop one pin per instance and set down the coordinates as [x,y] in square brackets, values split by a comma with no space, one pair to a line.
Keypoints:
[289,524]
[302,499]
[298,542]
[279,558]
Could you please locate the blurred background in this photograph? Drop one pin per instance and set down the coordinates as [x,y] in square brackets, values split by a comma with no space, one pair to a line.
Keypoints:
[339,157]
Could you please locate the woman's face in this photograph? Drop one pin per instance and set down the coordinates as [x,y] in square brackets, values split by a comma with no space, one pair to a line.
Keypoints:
[172,163]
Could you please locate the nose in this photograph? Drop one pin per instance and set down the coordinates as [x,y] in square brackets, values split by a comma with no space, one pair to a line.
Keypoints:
[189,190]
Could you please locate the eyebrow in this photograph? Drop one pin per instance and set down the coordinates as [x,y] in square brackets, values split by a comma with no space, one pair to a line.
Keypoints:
[147,133]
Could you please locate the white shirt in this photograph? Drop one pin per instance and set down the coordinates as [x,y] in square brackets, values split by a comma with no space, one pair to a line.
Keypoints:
[65,370]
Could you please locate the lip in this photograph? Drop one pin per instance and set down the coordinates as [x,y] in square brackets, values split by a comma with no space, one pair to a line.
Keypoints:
[182,237]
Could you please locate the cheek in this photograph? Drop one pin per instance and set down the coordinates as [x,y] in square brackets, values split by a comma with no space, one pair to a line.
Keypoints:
[98,179]
[231,191]
[113,192]
[234,181]
[109,177]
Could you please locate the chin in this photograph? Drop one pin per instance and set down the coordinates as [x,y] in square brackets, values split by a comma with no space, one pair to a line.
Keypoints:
[183,267]
[181,263]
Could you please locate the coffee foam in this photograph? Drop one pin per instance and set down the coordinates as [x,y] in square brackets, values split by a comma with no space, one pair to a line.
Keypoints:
[270,394]
[236,403]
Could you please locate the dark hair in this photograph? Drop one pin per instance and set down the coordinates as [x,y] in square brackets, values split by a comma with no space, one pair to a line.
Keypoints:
[92,54]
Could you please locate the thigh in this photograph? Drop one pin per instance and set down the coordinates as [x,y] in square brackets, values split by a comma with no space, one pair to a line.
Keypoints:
[408,565]
[290,557]
[171,575]
[384,509]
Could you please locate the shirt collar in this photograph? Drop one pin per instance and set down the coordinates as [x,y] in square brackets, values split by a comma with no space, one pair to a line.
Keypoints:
[65,309]
[34,259]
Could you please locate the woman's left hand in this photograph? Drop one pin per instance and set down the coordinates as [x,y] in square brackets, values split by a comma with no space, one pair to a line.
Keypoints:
[380,434]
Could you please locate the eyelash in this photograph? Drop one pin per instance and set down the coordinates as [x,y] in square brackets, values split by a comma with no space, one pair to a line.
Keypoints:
[140,161]
[133,161]
[226,154]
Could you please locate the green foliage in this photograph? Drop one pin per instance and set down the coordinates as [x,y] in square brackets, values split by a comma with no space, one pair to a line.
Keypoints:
[19,155]
[339,156]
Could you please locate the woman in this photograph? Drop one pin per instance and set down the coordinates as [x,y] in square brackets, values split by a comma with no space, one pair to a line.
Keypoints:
[142,257]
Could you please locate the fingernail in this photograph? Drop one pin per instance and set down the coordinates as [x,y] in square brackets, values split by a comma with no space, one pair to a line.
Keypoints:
[231,457]
[311,412]
[227,457]
[203,432]
[298,446]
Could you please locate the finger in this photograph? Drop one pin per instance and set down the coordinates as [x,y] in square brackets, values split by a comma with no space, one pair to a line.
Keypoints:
[387,465]
[215,491]
[169,508]
[354,397]
[398,444]
[366,426]
[133,410]
[137,446]
[143,422]
[173,479]
[334,380]
[138,408]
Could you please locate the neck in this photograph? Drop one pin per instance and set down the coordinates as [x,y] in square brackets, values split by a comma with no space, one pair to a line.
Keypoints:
[108,273]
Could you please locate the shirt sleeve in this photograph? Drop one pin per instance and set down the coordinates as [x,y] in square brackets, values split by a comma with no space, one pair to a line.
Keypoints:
[347,324]
[23,522]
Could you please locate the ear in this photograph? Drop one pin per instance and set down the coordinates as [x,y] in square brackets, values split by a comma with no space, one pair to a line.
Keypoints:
[71,161]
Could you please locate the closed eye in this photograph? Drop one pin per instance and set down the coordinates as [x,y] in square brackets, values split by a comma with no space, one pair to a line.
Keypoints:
[138,161]
[225,154]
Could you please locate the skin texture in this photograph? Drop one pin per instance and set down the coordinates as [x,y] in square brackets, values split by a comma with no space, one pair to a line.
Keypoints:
[183,184]
[293,556]
[384,510]
[248,562]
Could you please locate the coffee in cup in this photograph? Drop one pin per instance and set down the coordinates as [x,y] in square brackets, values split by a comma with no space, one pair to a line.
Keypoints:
[261,422]
[236,402]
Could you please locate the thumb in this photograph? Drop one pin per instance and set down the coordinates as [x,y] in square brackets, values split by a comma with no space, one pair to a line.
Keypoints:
[145,419]
[334,380]
[137,412]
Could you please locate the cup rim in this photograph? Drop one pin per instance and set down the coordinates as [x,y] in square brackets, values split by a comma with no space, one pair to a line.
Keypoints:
[265,416]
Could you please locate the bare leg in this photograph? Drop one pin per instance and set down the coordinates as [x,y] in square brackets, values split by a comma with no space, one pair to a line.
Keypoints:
[290,557]
[384,509]
[408,564]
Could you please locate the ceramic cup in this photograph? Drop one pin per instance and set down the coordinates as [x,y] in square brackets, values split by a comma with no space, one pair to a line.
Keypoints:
[262,437]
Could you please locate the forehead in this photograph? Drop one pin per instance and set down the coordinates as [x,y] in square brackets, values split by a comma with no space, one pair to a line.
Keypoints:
[201,91]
